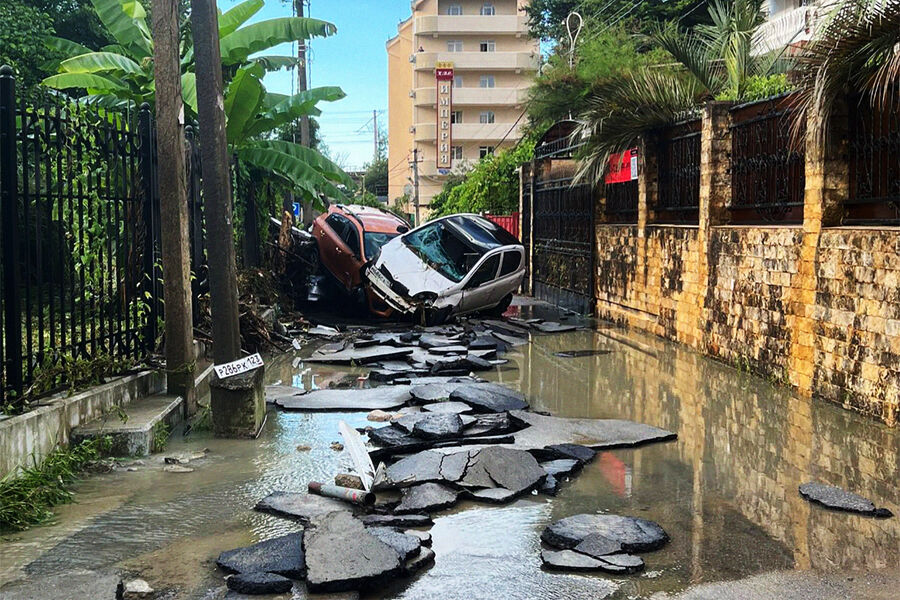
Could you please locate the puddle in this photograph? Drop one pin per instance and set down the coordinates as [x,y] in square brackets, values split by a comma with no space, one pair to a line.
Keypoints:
[726,490]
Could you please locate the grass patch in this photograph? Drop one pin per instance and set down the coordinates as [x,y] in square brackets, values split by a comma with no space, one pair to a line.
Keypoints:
[161,433]
[27,496]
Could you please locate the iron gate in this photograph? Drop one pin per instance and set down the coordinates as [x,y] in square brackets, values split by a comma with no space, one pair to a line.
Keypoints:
[562,228]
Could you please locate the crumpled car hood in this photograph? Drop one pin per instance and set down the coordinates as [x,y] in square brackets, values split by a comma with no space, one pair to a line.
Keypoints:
[409,270]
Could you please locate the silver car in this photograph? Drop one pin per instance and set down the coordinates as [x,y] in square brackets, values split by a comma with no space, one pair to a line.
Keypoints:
[454,265]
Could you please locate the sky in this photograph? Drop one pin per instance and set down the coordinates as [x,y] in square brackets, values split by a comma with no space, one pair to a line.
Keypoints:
[355,60]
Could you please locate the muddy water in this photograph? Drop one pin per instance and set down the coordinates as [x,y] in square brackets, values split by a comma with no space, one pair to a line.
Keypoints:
[726,490]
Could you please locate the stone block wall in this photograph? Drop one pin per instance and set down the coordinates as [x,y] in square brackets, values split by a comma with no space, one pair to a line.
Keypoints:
[816,306]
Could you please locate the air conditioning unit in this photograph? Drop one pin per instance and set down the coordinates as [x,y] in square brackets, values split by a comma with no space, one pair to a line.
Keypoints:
[412,128]
[412,93]
[412,58]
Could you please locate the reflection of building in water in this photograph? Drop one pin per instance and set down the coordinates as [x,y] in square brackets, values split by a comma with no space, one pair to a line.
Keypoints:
[727,488]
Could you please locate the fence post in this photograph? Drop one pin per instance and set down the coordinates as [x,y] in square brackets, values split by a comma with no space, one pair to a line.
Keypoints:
[9,218]
[148,191]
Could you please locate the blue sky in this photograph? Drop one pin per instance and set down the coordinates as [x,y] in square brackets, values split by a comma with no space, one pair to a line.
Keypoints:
[355,59]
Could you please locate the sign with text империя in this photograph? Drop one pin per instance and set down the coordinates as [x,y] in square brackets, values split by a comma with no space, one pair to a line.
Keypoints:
[443,75]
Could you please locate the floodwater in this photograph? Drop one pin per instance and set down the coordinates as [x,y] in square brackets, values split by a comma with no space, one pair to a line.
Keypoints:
[725,491]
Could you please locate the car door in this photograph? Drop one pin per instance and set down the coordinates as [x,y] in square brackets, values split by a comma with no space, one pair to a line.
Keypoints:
[479,291]
[334,252]
[509,278]
[353,240]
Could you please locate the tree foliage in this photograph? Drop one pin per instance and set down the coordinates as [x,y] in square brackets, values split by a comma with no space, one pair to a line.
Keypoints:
[492,186]
[22,31]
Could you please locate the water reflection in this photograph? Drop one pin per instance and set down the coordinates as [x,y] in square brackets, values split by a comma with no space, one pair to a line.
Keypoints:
[726,490]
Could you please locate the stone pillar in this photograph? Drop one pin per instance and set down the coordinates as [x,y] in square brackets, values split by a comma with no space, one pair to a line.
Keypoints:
[648,190]
[715,191]
[827,185]
[238,404]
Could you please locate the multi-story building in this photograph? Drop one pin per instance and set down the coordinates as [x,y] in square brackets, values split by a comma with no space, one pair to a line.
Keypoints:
[790,23]
[483,52]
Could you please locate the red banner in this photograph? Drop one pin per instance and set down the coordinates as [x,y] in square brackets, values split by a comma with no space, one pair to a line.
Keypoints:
[443,75]
[623,167]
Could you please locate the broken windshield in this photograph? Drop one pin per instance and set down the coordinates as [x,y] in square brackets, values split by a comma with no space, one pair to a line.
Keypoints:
[374,241]
[443,249]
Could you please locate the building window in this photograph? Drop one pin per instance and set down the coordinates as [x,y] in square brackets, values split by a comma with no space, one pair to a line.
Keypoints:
[488,10]
[454,46]
[486,81]
[456,116]
[457,81]
[454,10]
[488,45]
[484,151]
[487,116]
[456,152]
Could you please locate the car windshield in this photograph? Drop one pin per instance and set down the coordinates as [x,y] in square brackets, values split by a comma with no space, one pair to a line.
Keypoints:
[453,246]
[374,241]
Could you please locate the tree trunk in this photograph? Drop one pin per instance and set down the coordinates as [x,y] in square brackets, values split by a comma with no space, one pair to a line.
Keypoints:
[216,183]
[173,203]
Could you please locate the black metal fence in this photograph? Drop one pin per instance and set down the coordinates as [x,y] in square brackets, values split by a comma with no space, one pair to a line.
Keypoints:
[768,175]
[80,228]
[622,202]
[874,165]
[679,174]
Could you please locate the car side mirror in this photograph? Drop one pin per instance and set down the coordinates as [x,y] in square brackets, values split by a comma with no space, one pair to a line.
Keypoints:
[402,229]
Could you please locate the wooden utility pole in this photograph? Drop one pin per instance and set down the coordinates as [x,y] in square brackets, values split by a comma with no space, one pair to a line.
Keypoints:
[376,156]
[216,182]
[415,166]
[173,203]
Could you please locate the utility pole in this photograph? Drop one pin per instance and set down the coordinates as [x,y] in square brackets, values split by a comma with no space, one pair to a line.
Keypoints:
[302,84]
[237,403]
[170,144]
[375,127]
[415,167]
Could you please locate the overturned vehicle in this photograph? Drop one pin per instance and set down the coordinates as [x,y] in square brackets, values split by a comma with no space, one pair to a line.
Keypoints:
[454,265]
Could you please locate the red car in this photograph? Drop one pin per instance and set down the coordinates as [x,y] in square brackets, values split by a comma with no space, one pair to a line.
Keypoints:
[349,237]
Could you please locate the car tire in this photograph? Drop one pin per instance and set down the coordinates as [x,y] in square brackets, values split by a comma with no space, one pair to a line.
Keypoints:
[498,310]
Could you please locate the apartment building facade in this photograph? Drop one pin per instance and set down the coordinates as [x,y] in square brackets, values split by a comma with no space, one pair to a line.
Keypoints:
[790,23]
[458,73]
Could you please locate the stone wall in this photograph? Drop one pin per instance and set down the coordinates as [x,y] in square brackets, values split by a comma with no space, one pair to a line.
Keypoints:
[815,306]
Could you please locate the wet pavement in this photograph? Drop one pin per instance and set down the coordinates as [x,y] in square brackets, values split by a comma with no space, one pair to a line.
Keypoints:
[725,490]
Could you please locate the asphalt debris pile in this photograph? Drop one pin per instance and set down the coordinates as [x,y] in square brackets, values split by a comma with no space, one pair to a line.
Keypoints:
[607,543]
[839,499]
[439,435]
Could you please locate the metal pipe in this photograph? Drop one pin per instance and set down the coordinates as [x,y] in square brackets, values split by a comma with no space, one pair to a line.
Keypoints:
[341,493]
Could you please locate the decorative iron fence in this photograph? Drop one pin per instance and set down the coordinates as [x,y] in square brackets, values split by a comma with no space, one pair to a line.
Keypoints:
[622,202]
[767,164]
[874,197]
[679,174]
[80,229]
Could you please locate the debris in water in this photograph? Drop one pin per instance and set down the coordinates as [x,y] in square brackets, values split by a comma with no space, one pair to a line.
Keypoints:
[836,498]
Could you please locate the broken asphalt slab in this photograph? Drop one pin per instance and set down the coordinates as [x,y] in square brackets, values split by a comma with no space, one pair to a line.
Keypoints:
[438,426]
[367,399]
[489,397]
[447,407]
[341,555]
[303,507]
[259,583]
[405,545]
[426,498]
[569,560]
[836,498]
[359,356]
[633,533]
[282,556]
[410,520]
[543,431]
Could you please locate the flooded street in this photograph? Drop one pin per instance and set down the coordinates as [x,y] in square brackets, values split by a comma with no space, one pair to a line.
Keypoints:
[725,491]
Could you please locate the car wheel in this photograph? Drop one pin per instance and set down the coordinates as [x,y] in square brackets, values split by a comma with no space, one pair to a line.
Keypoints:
[428,317]
[498,310]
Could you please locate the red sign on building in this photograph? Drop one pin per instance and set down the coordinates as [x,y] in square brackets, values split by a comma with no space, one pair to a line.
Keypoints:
[443,74]
[623,167]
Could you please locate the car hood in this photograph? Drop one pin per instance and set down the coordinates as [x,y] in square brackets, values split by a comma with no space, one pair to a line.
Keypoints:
[411,271]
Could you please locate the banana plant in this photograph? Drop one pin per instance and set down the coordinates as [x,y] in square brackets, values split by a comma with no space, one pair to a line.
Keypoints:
[120,76]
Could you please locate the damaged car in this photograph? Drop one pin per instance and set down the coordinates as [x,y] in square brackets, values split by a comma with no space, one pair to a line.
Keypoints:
[349,238]
[454,265]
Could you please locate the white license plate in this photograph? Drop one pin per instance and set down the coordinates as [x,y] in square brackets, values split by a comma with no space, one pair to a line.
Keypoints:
[378,277]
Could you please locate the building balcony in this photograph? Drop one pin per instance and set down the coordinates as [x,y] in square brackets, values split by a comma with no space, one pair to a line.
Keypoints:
[479,61]
[474,96]
[471,25]
[470,132]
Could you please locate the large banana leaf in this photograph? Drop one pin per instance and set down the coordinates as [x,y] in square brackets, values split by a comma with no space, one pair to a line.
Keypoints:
[243,99]
[291,108]
[237,16]
[88,81]
[189,90]
[303,175]
[101,62]
[314,158]
[275,63]
[256,37]
[67,47]
[126,20]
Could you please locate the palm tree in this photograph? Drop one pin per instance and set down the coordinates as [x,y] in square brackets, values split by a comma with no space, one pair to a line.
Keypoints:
[712,61]
[120,76]
[857,49]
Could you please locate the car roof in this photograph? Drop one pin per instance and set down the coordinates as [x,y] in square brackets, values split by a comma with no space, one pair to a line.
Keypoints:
[374,220]
[466,215]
